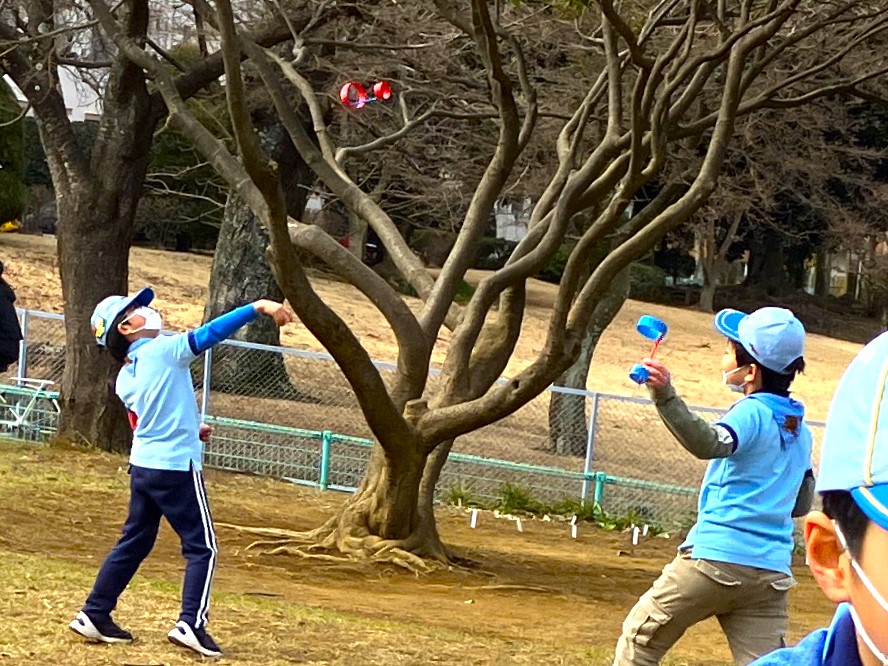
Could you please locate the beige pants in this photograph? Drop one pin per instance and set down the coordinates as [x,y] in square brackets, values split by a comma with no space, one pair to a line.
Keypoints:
[750,605]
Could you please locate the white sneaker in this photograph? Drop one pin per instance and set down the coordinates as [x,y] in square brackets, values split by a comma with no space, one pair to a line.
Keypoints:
[99,630]
[194,639]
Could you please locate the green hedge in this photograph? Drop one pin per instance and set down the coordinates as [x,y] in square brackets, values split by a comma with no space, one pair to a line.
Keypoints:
[648,283]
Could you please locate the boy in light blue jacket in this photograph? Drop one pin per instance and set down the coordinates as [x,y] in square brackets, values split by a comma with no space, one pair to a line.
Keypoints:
[166,461]
[847,542]
[735,563]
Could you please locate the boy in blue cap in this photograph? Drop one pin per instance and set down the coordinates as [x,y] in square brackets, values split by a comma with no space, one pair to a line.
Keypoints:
[165,462]
[735,562]
[847,541]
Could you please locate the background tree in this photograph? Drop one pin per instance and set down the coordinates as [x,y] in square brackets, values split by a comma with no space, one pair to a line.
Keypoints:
[790,176]
[97,192]
[680,73]
[13,193]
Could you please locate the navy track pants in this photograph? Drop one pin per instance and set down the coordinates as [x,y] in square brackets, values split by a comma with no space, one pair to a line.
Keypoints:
[181,498]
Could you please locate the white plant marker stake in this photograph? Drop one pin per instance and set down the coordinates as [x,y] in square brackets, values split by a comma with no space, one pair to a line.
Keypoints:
[518,524]
[474,521]
[573,531]
[644,531]
[635,533]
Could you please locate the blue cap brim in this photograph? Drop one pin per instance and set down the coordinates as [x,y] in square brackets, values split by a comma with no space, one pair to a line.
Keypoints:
[144,297]
[727,322]
[873,501]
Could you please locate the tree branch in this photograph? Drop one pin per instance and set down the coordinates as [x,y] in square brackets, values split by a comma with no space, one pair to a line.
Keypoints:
[43,91]
[496,174]
[384,419]
[635,51]
[413,351]
[255,164]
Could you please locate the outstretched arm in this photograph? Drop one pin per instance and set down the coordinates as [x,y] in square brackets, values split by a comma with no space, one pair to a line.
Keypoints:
[224,326]
[703,440]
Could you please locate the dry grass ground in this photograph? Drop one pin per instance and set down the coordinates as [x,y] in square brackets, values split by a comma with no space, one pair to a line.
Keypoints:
[535,598]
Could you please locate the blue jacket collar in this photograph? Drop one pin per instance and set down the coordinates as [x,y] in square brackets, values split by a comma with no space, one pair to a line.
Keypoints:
[840,647]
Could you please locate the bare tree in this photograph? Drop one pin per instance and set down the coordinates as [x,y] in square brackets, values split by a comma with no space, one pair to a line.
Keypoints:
[671,72]
[790,176]
[96,193]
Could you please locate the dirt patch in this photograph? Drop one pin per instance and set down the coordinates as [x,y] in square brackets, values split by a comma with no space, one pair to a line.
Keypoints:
[534,597]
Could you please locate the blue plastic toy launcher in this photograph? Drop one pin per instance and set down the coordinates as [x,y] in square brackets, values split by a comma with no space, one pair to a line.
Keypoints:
[653,329]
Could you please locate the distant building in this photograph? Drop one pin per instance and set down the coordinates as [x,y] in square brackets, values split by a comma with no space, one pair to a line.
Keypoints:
[512,219]
[81,101]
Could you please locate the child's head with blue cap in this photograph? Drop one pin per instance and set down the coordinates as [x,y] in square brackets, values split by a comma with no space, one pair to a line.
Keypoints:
[765,349]
[847,542]
[119,320]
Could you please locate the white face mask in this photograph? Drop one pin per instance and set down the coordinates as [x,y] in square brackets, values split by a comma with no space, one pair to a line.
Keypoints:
[736,388]
[868,584]
[153,320]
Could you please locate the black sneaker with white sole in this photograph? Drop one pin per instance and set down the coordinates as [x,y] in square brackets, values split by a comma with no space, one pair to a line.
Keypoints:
[194,638]
[99,629]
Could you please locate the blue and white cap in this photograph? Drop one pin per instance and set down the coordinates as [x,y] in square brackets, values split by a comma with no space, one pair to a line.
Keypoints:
[773,336]
[106,312]
[855,443]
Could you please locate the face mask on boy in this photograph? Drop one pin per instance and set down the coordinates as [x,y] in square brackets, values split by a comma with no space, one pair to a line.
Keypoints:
[868,584]
[153,320]
[736,388]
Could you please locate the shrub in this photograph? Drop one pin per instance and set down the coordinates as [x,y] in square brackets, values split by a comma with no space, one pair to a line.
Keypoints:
[493,253]
[460,495]
[516,499]
[555,269]
[648,283]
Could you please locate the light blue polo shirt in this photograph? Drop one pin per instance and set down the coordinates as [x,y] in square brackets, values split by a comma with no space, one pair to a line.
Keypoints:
[746,499]
[156,386]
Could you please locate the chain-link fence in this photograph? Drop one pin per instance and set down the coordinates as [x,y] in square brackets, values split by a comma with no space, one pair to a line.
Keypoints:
[290,414]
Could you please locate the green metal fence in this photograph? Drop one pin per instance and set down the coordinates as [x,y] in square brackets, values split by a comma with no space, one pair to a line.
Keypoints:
[290,414]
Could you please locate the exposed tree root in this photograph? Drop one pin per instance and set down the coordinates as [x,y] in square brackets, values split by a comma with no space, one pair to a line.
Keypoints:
[352,543]
[511,586]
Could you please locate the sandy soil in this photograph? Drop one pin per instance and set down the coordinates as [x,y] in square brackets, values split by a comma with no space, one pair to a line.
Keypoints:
[692,348]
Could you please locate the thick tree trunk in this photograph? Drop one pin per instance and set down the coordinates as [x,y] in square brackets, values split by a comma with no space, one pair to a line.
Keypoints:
[707,297]
[568,433]
[93,246]
[428,526]
[386,518]
[388,498]
[241,274]
[766,260]
[94,236]
[822,274]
